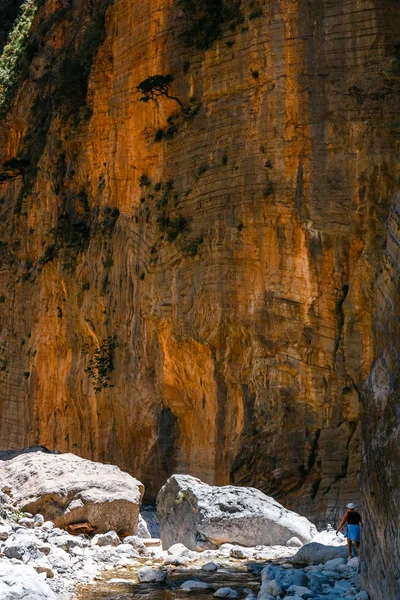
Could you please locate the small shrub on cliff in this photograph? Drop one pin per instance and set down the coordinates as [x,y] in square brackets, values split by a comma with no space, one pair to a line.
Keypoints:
[144,181]
[173,227]
[13,50]
[101,364]
[49,254]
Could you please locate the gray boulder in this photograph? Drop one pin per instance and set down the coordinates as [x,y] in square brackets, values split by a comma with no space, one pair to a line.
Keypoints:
[22,547]
[150,575]
[315,554]
[106,539]
[192,585]
[67,490]
[210,566]
[200,516]
[317,581]
[137,544]
[276,580]
[21,582]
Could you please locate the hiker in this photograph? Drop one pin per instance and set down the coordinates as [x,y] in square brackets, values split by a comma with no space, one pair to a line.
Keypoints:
[353,520]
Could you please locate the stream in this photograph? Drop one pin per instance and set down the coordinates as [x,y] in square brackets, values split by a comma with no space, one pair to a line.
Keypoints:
[236,576]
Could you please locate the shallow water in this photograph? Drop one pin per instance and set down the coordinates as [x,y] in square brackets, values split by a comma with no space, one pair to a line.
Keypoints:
[238,578]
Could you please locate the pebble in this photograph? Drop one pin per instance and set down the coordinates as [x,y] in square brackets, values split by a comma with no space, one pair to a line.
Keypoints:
[38,520]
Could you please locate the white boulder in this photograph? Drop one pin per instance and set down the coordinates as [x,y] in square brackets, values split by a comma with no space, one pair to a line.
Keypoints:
[21,582]
[181,550]
[27,522]
[22,547]
[200,516]
[67,489]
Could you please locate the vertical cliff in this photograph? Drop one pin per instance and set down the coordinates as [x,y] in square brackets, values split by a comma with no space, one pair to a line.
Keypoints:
[220,259]
[381,430]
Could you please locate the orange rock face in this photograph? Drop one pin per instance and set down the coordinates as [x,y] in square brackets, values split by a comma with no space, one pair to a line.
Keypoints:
[233,261]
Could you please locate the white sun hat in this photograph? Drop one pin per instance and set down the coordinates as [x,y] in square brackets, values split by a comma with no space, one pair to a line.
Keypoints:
[350,505]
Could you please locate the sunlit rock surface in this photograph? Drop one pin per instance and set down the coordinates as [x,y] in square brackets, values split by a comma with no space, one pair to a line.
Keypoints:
[241,290]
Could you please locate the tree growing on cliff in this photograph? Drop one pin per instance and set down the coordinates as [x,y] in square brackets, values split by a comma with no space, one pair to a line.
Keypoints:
[101,364]
[156,86]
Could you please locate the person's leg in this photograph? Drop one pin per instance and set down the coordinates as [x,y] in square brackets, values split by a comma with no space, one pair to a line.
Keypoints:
[349,547]
[357,546]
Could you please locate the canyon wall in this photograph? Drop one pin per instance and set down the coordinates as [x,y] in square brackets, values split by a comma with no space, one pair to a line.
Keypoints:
[381,430]
[224,256]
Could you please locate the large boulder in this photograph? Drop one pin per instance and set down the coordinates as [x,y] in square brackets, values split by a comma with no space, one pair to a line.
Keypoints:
[200,516]
[67,490]
[20,582]
[315,554]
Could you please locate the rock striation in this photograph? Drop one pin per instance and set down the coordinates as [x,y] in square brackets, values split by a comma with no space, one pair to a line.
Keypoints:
[201,516]
[220,261]
[381,430]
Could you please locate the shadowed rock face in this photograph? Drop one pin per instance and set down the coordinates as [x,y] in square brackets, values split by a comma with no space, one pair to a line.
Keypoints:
[381,431]
[234,261]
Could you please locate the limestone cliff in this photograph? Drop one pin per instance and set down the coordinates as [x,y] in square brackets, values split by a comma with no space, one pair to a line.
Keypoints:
[221,259]
[381,430]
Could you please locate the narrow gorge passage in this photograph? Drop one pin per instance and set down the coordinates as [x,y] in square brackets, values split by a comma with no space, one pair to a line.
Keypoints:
[199,260]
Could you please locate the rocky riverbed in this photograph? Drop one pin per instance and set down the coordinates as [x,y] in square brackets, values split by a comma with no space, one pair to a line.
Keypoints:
[46,563]
[209,547]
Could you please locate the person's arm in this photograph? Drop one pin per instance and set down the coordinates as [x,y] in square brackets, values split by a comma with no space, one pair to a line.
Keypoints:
[342,523]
